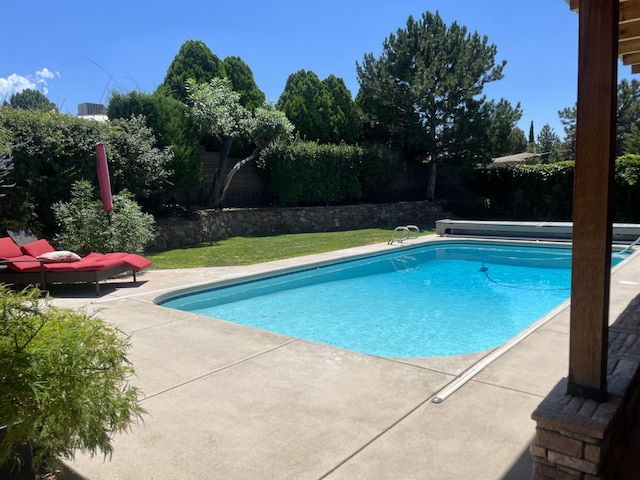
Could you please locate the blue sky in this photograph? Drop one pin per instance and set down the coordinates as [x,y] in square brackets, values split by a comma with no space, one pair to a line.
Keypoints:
[80,51]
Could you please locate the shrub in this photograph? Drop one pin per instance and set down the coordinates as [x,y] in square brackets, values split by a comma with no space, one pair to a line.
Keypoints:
[545,192]
[627,188]
[540,192]
[53,150]
[310,174]
[63,379]
[85,227]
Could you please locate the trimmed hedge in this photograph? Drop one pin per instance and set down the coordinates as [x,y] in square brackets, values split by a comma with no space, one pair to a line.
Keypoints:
[306,173]
[545,192]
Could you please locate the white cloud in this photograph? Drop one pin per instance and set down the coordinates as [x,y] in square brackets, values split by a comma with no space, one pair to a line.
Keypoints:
[15,83]
[46,73]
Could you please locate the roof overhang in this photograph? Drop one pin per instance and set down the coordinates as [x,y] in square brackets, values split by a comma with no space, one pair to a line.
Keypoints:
[628,32]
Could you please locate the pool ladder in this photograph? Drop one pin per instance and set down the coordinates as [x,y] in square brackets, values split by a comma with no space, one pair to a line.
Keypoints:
[407,230]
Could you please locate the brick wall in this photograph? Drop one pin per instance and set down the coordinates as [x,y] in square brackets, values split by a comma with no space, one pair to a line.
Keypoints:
[583,439]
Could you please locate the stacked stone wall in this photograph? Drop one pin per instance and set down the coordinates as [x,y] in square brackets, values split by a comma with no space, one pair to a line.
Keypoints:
[212,225]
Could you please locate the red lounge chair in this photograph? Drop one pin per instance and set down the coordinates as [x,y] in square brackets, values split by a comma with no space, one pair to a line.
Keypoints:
[30,263]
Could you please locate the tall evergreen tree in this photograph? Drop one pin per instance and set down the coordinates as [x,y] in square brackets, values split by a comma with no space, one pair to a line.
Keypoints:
[532,137]
[627,115]
[303,102]
[504,137]
[194,61]
[322,111]
[344,125]
[242,81]
[427,81]
[550,144]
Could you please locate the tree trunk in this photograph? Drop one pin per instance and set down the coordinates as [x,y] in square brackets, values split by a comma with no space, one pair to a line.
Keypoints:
[431,183]
[215,193]
[433,163]
[233,172]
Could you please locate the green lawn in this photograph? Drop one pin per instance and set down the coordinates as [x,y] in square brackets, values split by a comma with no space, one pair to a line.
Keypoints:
[250,250]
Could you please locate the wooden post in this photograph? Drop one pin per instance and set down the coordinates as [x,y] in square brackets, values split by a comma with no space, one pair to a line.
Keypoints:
[593,197]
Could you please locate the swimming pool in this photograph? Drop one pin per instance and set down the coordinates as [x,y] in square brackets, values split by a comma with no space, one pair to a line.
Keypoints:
[439,298]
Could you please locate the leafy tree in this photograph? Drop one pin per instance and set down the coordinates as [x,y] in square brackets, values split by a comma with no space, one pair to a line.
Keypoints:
[194,61]
[135,163]
[31,99]
[242,81]
[170,121]
[217,111]
[550,144]
[65,379]
[427,82]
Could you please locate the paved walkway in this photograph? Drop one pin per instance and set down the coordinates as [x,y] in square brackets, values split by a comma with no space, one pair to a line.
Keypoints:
[230,402]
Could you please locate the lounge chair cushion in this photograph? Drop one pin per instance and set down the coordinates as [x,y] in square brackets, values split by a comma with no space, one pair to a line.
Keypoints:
[137,262]
[37,248]
[9,248]
[23,263]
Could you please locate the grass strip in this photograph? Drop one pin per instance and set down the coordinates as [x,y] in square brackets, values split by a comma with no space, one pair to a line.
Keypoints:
[250,250]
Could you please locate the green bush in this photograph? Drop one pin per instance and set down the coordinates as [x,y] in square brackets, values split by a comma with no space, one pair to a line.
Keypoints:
[545,192]
[53,150]
[627,188]
[306,173]
[85,227]
[527,192]
[63,379]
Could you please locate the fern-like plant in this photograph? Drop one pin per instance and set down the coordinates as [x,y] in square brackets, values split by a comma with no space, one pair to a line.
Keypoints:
[64,380]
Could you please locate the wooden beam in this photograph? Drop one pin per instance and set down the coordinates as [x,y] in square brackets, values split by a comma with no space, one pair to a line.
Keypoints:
[628,46]
[629,30]
[631,58]
[593,198]
[629,11]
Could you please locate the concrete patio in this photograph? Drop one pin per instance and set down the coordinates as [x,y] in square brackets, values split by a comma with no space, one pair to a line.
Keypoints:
[231,402]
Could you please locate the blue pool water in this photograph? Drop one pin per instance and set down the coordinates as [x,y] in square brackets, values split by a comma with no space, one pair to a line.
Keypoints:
[433,300]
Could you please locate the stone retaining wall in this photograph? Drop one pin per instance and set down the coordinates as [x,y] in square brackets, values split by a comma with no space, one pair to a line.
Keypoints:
[218,224]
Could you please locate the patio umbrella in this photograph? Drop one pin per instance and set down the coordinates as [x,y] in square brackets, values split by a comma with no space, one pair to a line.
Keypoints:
[103,178]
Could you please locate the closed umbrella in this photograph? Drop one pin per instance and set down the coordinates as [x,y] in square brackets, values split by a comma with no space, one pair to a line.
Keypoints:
[103,178]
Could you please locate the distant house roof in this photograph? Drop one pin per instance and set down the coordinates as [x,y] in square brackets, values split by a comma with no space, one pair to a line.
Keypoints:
[523,157]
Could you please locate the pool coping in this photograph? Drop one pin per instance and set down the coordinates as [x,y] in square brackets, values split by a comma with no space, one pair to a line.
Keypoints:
[374,416]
